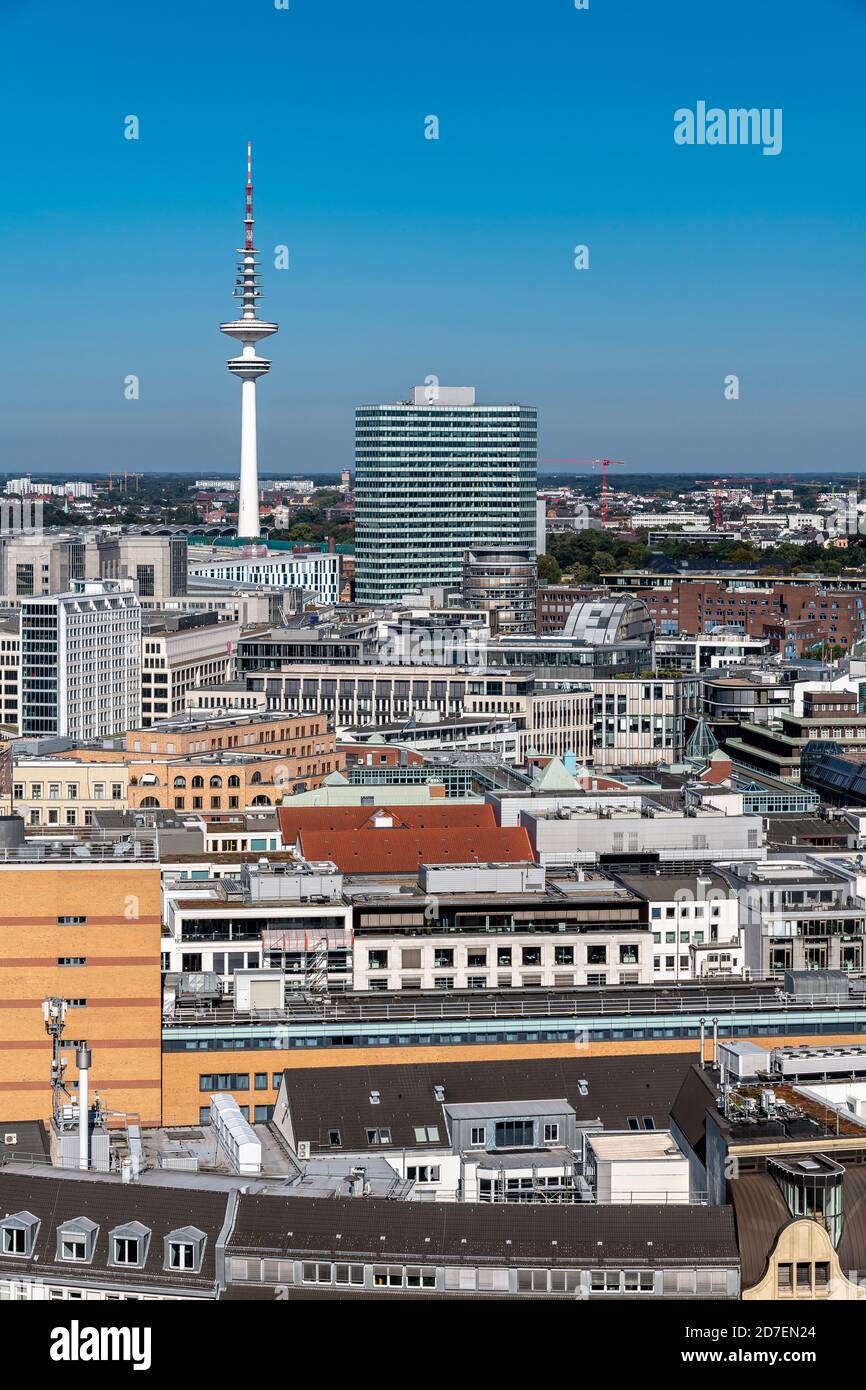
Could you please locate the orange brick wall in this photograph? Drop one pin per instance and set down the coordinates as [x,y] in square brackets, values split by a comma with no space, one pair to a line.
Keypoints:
[181,1070]
[120,981]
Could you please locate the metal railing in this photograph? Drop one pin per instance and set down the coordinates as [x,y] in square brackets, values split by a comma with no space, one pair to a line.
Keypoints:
[338,1010]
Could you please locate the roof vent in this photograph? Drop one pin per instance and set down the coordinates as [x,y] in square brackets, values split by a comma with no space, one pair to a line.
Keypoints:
[374,1097]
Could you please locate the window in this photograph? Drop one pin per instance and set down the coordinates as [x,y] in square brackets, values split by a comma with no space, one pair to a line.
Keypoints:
[638,1281]
[551,1134]
[378,1136]
[477,1137]
[388,1276]
[420,1278]
[316,1273]
[76,1240]
[348,1274]
[71,960]
[335,1139]
[532,1280]
[596,955]
[564,1280]
[428,1134]
[224,1081]
[128,1244]
[19,1233]
[822,1275]
[184,1249]
[514,1134]
[425,1172]
[261,1081]
[804,1276]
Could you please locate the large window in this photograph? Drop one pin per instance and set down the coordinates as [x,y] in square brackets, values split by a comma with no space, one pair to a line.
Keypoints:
[514,1134]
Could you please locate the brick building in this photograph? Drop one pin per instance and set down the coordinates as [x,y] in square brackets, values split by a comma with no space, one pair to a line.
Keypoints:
[794,614]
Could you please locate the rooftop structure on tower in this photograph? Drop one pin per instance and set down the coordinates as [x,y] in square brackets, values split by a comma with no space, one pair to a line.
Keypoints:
[247,330]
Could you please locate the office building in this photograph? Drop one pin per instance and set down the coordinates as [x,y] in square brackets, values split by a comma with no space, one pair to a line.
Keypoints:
[437,475]
[179,653]
[81,661]
[501,580]
[157,565]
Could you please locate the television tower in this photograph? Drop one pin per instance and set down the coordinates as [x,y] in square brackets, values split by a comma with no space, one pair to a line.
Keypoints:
[249,366]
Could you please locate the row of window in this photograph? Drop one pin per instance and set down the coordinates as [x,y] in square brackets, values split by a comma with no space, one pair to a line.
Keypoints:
[128,1244]
[443,957]
[54,791]
[683,1282]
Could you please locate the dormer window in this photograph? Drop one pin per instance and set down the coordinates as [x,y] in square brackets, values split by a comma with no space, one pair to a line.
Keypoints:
[128,1245]
[184,1250]
[19,1233]
[76,1240]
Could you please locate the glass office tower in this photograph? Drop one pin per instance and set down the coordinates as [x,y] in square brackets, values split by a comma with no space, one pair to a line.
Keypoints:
[435,476]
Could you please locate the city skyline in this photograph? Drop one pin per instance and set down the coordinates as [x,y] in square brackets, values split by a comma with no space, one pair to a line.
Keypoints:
[411,256]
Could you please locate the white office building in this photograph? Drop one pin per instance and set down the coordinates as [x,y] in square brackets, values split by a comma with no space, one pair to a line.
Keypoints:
[315,571]
[81,661]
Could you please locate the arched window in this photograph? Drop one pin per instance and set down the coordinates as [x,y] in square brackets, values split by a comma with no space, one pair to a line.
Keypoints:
[261,801]
[180,781]
[234,780]
[198,781]
[149,803]
[256,778]
[216,781]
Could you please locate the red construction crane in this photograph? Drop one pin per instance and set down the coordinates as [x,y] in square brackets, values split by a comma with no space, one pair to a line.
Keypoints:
[603,464]
[718,505]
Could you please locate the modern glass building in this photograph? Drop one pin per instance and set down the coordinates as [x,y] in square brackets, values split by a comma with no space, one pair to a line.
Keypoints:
[435,476]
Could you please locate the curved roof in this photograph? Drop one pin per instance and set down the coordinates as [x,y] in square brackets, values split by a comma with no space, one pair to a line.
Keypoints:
[760,1212]
[852,1242]
[601,621]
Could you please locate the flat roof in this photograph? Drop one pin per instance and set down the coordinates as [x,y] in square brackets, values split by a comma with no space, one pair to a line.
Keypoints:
[635,1146]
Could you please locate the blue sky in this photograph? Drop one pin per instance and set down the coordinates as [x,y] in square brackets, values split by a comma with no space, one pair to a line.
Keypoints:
[411,257]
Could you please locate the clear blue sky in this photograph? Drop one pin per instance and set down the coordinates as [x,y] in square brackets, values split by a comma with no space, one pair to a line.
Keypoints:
[452,257]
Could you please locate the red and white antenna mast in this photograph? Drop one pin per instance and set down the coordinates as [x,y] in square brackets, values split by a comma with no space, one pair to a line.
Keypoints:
[248,213]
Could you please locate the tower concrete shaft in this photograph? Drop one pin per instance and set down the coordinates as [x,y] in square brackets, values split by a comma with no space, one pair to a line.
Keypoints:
[248,330]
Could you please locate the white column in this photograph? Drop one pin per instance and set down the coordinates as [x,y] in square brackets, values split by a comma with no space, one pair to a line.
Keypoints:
[83,1063]
[248,496]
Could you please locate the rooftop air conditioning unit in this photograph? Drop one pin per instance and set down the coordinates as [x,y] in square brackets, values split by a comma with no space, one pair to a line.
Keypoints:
[304,1148]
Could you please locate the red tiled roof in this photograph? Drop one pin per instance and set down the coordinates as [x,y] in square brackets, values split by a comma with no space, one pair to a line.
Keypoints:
[401,851]
[474,816]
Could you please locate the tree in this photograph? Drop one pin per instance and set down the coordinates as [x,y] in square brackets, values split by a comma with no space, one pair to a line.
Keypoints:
[548,570]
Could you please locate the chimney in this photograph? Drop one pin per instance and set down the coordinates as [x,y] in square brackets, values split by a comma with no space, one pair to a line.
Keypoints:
[82,1058]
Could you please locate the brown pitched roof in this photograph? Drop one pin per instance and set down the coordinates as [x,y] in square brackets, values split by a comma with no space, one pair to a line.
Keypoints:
[338,1097]
[338,819]
[550,1235]
[401,851]
[58,1200]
